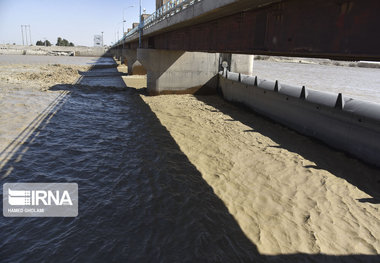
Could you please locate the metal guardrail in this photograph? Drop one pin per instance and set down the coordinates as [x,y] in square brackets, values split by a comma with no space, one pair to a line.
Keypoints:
[167,10]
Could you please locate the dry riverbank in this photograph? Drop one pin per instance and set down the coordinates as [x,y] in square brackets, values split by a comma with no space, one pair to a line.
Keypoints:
[38,76]
[319,61]
[52,50]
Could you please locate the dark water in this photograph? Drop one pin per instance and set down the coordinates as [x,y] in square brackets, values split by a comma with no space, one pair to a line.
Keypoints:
[140,199]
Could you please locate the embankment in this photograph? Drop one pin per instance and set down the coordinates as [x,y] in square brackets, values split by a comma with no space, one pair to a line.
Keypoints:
[52,50]
[344,123]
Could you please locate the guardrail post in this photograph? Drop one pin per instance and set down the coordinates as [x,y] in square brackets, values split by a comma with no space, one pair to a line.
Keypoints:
[303,95]
[339,102]
[277,86]
[256,83]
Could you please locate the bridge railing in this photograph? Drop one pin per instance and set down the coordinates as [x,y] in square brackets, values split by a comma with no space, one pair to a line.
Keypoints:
[167,10]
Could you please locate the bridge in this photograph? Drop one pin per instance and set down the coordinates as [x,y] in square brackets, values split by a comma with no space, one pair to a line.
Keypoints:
[192,33]
[207,46]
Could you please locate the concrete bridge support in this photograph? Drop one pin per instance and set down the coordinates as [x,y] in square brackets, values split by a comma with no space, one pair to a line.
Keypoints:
[179,72]
[242,64]
[118,54]
[129,57]
[238,63]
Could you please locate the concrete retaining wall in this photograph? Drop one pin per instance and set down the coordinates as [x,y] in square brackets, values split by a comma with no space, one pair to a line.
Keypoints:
[344,123]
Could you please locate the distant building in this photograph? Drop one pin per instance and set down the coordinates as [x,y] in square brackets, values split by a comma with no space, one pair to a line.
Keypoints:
[160,3]
[98,41]
[144,16]
[134,25]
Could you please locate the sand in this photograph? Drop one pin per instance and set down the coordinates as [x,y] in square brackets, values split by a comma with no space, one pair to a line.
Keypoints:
[289,194]
[39,76]
[320,61]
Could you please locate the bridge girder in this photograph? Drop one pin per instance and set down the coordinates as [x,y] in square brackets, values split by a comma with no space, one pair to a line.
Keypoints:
[335,29]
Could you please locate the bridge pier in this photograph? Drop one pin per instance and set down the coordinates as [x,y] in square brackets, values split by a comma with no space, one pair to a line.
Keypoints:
[129,57]
[242,64]
[118,54]
[238,63]
[179,72]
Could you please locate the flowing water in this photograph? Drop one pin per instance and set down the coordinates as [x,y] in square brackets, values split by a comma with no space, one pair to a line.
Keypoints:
[140,199]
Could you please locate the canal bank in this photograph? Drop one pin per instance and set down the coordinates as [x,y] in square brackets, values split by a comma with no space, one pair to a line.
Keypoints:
[80,51]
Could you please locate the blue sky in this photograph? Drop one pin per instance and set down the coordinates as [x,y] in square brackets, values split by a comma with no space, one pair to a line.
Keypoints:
[77,21]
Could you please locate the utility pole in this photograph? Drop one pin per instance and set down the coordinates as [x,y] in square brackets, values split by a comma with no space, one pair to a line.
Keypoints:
[26,35]
[30,36]
[22,34]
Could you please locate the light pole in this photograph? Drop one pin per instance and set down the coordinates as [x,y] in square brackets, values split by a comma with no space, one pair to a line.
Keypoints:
[117,30]
[102,40]
[123,27]
[124,16]
[125,21]
[140,26]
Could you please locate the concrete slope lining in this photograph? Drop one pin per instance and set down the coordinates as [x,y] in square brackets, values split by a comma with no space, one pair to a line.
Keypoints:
[344,123]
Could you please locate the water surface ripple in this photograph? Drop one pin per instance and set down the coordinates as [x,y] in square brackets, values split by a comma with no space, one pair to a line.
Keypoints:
[140,199]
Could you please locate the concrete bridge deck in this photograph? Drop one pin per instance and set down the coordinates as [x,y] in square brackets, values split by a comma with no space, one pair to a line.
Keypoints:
[334,29]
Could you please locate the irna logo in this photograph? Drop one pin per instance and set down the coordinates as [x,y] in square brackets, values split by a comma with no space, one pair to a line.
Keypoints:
[38,197]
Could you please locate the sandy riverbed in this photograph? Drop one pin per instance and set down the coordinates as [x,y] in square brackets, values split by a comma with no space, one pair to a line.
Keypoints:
[39,76]
[288,193]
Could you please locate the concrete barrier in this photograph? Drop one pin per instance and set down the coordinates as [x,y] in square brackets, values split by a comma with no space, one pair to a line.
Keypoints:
[344,123]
